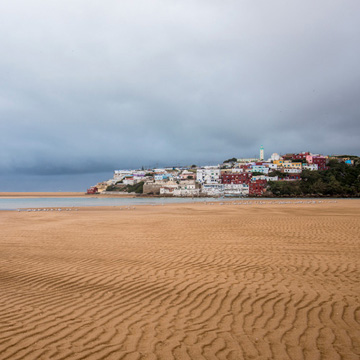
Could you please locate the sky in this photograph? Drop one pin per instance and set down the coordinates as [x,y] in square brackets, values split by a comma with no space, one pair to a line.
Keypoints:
[87,87]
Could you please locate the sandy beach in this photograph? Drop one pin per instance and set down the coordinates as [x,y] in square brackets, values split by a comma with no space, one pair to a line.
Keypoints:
[184,281]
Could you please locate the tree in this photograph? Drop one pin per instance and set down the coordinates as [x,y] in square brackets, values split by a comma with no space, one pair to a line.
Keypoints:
[277,173]
[136,188]
[230,160]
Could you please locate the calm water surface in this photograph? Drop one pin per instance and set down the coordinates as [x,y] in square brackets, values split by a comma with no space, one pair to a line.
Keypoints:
[35,203]
[23,203]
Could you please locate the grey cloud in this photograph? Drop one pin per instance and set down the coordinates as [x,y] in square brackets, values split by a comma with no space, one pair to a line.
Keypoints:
[93,86]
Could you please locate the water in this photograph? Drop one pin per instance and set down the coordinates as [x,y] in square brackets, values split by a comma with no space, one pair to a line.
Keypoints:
[38,203]
[23,203]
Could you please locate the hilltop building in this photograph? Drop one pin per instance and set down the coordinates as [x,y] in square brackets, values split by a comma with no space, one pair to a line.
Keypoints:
[261,153]
[243,177]
[275,157]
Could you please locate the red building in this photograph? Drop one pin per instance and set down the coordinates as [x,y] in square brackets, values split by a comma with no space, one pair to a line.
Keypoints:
[245,167]
[257,187]
[236,178]
[288,156]
[301,156]
[92,190]
[320,161]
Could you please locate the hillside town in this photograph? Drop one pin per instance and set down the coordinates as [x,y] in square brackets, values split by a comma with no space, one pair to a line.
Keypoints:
[234,177]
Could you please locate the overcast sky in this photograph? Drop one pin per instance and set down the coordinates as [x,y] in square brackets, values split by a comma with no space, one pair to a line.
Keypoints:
[89,86]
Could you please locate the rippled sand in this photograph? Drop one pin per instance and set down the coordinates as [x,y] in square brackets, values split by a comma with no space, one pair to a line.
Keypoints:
[190,281]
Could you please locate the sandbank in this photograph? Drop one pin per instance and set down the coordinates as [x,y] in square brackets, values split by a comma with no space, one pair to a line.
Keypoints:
[11,195]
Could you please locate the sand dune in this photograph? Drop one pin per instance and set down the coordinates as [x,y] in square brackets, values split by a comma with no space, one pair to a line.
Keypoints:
[188,281]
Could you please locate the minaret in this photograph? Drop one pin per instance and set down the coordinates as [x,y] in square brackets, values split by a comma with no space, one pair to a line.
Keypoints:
[261,153]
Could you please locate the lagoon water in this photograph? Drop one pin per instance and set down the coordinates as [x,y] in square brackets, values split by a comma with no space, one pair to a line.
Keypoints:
[24,203]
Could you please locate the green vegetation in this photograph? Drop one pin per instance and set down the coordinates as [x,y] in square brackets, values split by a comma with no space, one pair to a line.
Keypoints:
[339,180]
[230,160]
[257,173]
[137,188]
[114,188]
[352,157]
[277,173]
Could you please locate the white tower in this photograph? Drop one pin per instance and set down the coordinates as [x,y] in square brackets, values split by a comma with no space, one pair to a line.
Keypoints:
[261,153]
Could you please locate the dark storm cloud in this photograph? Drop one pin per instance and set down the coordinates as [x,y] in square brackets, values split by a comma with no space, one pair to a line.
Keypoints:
[91,86]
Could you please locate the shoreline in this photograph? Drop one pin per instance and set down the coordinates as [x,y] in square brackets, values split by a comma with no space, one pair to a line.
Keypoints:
[69,194]
[215,205]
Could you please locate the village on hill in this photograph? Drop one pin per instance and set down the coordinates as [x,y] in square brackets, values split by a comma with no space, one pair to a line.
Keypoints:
[281,175]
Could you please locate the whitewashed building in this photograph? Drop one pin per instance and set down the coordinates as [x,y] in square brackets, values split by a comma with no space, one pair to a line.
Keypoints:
[187,192]
[264,177]
[311,167]
[209,175]
[168,189]
[260,168]
[292,171]
[213,189]
[275,157]
[236,189]
[272,166]
[120,174]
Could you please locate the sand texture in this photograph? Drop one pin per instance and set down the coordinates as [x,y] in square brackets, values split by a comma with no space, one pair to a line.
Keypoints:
[188,281]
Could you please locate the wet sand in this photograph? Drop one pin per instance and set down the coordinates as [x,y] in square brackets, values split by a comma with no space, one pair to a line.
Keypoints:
[13,195]
[185,281]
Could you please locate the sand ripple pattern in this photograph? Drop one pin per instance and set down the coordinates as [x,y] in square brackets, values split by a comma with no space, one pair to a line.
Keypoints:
[182,282]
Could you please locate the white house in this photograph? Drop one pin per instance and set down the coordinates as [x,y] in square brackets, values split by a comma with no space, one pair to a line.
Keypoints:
[292,171]
[273,166]
[265,177]
[247,160]
[260,168]
[311,167]
[208,175]
[236,189]
[213,189]
[187,192]
[168,189]
[129,180]
[275,157]
[120,174]
[164,176]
